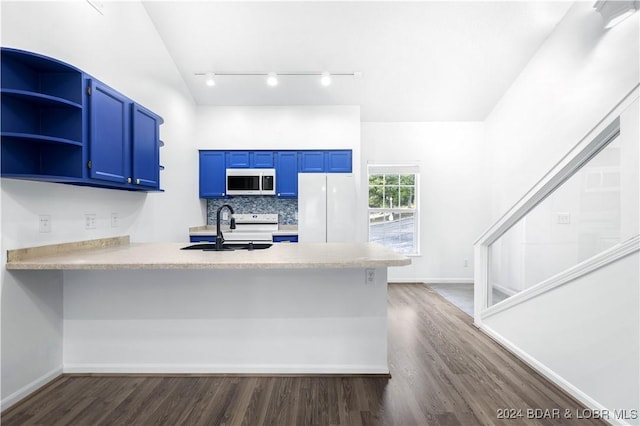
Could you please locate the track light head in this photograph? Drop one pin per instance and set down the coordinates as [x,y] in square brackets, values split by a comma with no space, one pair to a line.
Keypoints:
[210,80]
[272,79]
[325,79]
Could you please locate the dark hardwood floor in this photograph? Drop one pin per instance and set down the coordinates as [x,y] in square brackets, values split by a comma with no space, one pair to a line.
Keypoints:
[444,371]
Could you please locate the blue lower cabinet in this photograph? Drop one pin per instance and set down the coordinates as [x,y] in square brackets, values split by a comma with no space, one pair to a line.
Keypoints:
[285,238]
[202,238]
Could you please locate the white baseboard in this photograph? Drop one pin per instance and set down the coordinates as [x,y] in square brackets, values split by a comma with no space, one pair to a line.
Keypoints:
[551,375]
[434,281]
[224,369]
[29,389]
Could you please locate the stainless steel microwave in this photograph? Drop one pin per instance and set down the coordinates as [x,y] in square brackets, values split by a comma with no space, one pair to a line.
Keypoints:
[251,181]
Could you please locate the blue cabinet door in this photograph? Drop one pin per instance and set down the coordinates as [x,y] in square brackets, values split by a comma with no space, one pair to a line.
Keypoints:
[212,174]
[109,141]
[237,159]
[287,174]
[339,161]
[312,162]
[261,160]
[145,147]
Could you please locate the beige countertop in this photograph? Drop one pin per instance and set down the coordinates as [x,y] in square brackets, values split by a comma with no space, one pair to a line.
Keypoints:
[118,253]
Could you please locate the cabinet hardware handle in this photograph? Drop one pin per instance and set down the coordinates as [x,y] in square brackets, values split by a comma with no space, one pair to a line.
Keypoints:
[137,181]
[128,180]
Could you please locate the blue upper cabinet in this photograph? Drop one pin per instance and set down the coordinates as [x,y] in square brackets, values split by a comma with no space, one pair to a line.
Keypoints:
[339,161]
[43,121]
[237,159]
[261,160]
[287,174]
[311,162]
[332,161]
[61,125]
[110,138]
[212,174]
[145,147]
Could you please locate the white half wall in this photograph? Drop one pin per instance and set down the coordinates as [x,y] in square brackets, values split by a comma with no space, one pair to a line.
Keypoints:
[123,49]
[226,321]
[584,334]
[453,191]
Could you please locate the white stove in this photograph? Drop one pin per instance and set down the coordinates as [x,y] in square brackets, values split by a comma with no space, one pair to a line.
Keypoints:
[253,228]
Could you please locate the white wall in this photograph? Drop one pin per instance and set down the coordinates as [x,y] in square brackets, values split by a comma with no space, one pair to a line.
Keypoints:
[583,334]
[284,127]
[453,193]
[122,49]
[578,75]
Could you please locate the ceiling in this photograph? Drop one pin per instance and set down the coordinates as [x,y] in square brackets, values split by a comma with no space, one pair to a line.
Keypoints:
[420,61]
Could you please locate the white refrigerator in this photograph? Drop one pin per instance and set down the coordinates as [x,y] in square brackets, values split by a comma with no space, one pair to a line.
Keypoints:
[327,207]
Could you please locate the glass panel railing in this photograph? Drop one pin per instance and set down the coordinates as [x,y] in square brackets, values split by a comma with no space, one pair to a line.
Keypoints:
[591,211]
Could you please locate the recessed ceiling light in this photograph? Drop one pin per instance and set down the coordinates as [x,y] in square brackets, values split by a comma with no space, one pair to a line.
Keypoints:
[272,79]
[325,80]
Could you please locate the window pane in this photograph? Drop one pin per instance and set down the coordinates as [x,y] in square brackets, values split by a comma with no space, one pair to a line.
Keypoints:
[391,197]
[390,179]
[407,197]
[376,179]
[408,179]
[393,230]
[376,194]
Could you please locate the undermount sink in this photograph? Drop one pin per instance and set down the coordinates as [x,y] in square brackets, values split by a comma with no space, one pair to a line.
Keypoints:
[228,246]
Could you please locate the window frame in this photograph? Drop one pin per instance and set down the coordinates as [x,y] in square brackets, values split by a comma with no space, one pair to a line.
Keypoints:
[398,169]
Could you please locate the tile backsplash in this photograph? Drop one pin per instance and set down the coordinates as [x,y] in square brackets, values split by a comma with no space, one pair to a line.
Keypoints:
[287,208]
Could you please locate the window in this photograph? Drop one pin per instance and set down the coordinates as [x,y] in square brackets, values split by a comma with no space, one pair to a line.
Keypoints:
[393,207]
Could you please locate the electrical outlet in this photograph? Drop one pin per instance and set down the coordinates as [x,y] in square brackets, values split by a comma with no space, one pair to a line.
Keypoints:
[564,218]
[44,223]
[369,276]
[466,262]
[225,216]
[115,220]
[90,221]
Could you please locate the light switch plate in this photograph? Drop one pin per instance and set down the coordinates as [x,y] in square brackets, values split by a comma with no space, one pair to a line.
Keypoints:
[564,218]
[44,223]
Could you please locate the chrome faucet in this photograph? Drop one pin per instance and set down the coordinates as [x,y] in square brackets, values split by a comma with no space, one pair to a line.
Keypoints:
[219,236]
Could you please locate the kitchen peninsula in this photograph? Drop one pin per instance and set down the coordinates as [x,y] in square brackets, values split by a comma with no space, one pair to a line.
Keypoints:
[153,308]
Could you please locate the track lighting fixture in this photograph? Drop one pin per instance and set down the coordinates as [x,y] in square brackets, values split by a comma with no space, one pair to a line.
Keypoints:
[272,78]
